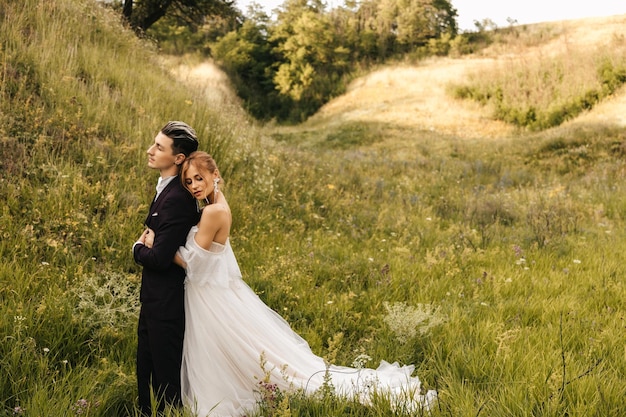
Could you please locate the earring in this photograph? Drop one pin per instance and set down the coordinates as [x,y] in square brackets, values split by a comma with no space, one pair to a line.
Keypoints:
[200,206]
[215,187]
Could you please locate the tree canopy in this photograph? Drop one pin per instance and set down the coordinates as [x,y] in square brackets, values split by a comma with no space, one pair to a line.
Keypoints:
[287,67]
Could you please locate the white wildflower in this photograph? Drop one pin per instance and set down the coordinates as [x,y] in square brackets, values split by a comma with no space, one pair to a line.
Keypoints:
[407,321]
[361,360]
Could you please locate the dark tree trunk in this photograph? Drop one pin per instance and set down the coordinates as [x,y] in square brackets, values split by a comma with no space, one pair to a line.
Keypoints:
[142,14]
[155,13]
[127,10]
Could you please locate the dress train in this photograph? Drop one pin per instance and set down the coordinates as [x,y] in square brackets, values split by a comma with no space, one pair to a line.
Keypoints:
[234,341]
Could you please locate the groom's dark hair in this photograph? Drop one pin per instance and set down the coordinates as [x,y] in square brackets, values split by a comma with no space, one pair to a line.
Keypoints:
[183,136]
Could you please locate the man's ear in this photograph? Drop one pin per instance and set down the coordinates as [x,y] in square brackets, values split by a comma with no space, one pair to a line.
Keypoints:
[180,158]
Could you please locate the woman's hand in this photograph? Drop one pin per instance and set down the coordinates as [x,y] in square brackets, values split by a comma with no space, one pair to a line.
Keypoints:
[178,260]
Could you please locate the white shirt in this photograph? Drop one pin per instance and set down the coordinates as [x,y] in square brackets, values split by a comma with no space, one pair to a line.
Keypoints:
[162,183]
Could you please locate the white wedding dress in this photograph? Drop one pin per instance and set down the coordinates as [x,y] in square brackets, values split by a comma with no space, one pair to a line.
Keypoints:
[229,328]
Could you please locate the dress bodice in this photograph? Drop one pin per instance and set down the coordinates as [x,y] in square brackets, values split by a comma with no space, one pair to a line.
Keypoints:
[215,267]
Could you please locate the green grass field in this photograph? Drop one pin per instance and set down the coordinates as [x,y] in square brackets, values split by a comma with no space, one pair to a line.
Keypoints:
[496,266]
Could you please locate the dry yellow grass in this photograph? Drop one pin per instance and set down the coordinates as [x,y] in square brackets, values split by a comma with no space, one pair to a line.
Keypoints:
[206,78]
[593,33]
[417,96]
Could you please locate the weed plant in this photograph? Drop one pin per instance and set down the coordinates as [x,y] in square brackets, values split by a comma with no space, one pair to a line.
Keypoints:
[495,267]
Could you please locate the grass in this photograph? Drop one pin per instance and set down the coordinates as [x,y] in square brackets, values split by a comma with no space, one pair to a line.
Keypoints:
[508,241]
[537,92]
[357,233]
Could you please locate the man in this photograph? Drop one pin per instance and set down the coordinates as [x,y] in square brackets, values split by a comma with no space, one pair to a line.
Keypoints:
[162,315]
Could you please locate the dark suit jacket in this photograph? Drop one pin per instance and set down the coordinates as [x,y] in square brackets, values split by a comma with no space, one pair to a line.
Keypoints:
[171,216]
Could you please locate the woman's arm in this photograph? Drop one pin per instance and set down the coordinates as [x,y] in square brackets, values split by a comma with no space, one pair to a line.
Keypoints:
[178,260]
[171,227]
[148,239]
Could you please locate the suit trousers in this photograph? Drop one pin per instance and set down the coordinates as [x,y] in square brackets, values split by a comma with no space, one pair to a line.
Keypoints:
[159,358]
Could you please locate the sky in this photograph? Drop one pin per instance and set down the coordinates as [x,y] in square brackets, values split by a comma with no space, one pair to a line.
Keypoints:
[499,11]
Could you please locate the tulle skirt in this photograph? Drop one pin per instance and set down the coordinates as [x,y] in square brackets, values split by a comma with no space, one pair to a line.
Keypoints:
[234,344]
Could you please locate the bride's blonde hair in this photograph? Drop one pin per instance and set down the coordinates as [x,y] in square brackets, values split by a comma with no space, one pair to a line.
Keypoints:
[203,162]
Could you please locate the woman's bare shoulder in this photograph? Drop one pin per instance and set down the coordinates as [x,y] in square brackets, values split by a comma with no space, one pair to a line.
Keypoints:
[214,225]
[215,211]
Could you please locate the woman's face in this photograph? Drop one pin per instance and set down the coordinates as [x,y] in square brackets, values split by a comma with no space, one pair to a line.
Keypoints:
[200,184]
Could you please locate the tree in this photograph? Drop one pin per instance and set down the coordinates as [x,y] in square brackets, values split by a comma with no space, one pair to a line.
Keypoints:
[248,57]
[288,67]
[412,23]
[314,59]
[142,14]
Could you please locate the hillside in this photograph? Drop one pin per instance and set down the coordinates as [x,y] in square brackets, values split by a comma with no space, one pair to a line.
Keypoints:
[417,96]
[488,264]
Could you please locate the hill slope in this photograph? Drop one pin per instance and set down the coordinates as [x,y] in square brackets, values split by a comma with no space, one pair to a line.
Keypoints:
[514,243]
[417,96]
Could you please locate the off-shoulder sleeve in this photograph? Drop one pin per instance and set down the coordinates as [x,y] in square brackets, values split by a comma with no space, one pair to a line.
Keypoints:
[215,268]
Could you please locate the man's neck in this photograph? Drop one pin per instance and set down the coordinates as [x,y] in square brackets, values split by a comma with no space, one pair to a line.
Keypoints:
[169,172]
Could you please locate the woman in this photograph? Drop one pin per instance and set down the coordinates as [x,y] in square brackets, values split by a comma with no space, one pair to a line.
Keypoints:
[233,340]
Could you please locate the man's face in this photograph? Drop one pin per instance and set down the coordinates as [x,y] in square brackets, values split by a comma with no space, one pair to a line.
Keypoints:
[161,155]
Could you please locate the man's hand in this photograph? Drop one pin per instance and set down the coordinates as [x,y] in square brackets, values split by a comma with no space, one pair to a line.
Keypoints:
[147,237]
